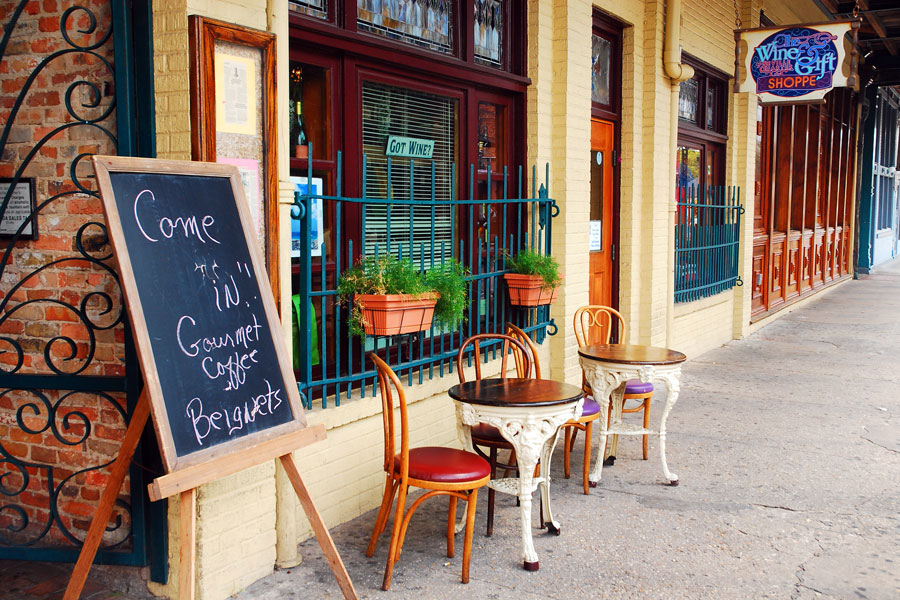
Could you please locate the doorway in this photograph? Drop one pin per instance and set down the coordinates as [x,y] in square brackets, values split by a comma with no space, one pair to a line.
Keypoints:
[603,286]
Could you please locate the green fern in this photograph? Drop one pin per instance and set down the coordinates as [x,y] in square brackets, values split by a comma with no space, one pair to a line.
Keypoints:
[531,262]
[386,274]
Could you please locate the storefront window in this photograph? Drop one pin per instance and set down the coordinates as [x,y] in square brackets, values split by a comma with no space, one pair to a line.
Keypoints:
[403,113]
[488,32]
[712,104]
[426,23]
[490,137]
[309,116]
[688,100]
[601,56]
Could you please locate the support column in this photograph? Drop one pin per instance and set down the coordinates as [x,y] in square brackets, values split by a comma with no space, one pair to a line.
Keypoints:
[559,114]
[286,554]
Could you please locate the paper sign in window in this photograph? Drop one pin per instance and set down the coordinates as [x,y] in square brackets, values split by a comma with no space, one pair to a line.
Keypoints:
[235,95]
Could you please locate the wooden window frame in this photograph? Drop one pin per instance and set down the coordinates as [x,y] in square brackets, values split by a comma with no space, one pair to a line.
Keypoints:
[707,75]
[603,26]
[340,31]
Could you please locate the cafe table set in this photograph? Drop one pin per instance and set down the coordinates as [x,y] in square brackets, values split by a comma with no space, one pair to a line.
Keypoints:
[529,412]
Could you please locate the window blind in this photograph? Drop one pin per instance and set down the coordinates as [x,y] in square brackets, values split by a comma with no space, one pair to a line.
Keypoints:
[420,232]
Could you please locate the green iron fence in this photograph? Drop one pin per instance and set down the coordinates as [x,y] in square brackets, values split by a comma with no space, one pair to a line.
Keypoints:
[410,222]
[707,241]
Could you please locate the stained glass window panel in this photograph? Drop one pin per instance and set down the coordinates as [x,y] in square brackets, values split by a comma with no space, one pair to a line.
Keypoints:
[711,104]
[424,23]
[488,34]
[688,100]
[601,55]
[313,8]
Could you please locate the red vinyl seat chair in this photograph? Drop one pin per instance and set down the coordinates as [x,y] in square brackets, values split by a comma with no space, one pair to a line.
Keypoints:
[441,471]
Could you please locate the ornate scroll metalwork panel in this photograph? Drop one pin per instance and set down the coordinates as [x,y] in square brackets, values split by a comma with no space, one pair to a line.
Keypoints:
[67,368]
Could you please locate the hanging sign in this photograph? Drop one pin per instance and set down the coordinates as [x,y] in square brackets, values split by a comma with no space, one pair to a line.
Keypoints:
[794,64]
[409,147]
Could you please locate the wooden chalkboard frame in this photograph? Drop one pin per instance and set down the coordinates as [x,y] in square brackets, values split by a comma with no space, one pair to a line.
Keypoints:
[227,457]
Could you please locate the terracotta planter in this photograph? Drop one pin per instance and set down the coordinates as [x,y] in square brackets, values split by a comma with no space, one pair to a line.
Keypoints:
[394,314]
[528,290]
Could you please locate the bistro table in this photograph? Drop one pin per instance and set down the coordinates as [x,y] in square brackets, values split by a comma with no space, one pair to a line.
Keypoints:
[528,413]
[607,367]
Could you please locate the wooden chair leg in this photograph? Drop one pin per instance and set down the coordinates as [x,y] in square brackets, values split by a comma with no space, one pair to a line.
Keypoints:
[587,455]
[451,526]
[470,528]
[395,538]
[383,512]
[567,451]
[646,426]
[490,510]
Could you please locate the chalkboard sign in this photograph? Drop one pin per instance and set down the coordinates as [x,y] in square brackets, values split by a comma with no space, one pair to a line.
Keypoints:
[208,335]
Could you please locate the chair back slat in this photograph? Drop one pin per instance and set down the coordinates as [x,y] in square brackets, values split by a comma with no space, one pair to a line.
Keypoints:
[521,370]
[473,346]
[387,383]
[595,324]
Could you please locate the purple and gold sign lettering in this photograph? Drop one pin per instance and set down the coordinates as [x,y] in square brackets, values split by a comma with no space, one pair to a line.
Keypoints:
[795,64]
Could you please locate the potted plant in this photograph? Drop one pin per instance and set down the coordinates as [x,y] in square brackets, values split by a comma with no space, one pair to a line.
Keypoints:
[391,296]
[533,279]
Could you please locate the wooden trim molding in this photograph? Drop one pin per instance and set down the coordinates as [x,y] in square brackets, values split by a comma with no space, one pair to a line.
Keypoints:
[203,34]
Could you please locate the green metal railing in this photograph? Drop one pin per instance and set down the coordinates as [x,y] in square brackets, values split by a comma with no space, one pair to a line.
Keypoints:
[483,232]
[707,241]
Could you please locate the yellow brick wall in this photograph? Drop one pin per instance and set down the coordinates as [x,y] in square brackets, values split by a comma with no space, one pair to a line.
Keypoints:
[569,53]
[702,325]
[235,515]
[171,81]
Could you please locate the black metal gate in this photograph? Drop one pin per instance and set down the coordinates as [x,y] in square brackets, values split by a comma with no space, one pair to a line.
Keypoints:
[68,371]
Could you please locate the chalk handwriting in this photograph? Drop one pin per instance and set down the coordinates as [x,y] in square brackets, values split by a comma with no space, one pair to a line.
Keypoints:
[243,337]
[186,226]
[234,419]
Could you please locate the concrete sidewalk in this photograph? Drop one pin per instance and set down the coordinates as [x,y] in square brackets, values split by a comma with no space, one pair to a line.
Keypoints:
[786,445]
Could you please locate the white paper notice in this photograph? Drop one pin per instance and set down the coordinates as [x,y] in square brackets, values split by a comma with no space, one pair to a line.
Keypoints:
[595,239]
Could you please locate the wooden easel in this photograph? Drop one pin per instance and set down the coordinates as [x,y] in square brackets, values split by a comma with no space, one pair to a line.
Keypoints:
[185,484]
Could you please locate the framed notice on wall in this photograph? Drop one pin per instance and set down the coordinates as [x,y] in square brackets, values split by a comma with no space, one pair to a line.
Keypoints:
[16,205]
[233,117]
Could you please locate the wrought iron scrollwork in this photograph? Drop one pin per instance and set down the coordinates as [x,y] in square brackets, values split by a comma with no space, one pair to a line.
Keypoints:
[37,415]
[55,394]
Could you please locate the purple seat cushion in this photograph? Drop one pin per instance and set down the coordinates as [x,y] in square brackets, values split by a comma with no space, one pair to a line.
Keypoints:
[636,386]
[590,407]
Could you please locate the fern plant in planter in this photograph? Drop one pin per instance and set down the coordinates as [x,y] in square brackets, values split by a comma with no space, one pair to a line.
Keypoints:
[533,279]
[391,296]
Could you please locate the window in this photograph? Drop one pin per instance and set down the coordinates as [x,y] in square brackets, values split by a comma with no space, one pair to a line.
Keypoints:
[884,169]
[313,8]
[707,221]
[606,44]
[394,111]
[702,122]
[488,32]
[425,23]
[702,101]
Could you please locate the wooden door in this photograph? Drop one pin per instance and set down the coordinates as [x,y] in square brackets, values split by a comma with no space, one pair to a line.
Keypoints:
[602,242]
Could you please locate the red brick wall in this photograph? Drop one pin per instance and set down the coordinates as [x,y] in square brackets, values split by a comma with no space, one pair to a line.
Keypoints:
[48,288]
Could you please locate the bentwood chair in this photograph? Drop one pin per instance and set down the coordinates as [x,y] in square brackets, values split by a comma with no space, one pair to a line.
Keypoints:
[478,347]
[441,471]
[594,324]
